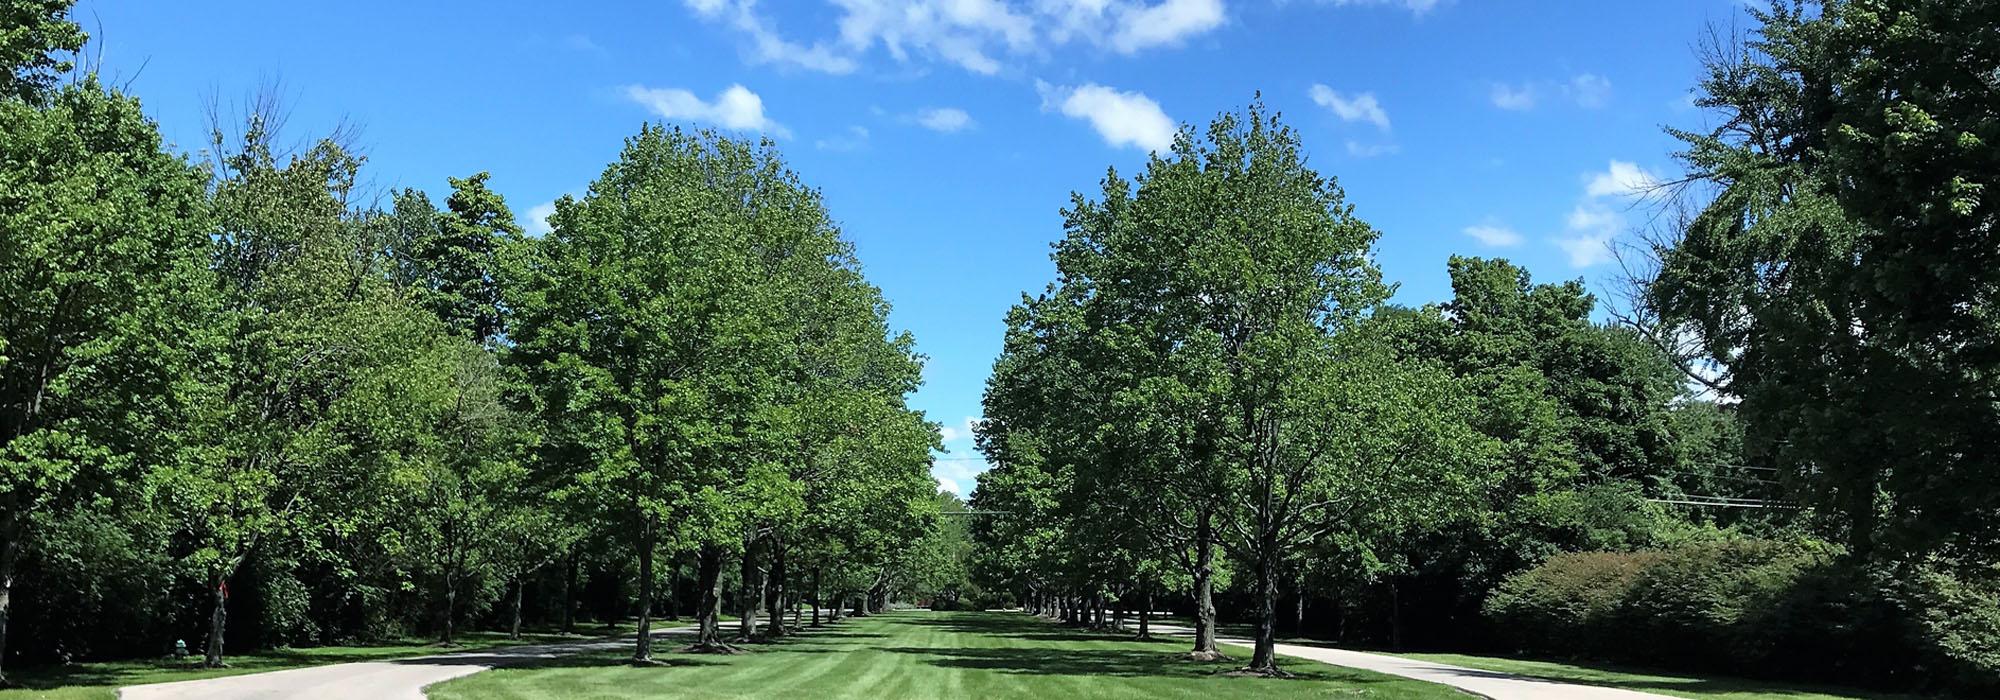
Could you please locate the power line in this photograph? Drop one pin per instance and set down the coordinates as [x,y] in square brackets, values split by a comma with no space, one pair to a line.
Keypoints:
[1724,502]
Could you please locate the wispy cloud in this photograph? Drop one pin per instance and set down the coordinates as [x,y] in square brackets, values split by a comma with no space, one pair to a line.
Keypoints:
[943,119]
[1359,107]
[854,139]
[1622,179]
[1586,90]
[1598,217]
[1494,234]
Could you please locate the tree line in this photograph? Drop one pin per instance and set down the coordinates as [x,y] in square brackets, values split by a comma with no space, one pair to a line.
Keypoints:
[1214,398]
[243,398]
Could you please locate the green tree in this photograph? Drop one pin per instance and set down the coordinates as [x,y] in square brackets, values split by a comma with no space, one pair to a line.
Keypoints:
[1837,280]
[33,34]
[317,362]
[103,280]
[656,322]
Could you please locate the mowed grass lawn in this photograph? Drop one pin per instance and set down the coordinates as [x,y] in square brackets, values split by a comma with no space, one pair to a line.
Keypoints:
[1659,682]
[913,654]
[101,680]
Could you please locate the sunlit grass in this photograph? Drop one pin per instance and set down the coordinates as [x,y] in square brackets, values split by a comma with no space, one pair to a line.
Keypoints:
[926,655]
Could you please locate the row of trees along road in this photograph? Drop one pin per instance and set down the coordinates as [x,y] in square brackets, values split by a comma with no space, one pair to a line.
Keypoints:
[1212,396]
[1214,392]
[241,400]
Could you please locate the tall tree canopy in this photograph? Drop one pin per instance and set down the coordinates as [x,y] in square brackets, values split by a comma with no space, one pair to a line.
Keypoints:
[1842,278]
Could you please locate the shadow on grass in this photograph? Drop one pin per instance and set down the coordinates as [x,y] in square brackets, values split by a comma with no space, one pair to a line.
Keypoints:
[619,659]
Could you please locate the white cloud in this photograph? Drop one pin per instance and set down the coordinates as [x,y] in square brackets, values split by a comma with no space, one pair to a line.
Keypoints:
[537,223]
[945,484]
[1418,7]
[1591,216]
[1598,218]
[734,108]
[949,434]
[943,119]
[1590,90]
[1622,179]
[1494,234]
[766,46]
[1122,118]
[1361,107]
[1587,90]
[855,139]
[1586,250]
[1590,226]
[976,35]
[1518,99]
[1370,150]
[1165,24]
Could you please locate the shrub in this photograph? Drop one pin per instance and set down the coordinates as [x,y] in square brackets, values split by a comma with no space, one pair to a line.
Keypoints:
[1690,606]
[1764,608]
[1562,606]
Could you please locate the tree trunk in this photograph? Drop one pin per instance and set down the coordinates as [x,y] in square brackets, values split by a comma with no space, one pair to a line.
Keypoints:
[7,555]
[1299,611]
[817,601]
[217,619]
[774,585]
[708,616]
[450,609]
[642,648]
[1395,615]
[514,616]
[749,595]
[674,592]
[1264,658]
[1146,614]
[569,594]
[1204,589]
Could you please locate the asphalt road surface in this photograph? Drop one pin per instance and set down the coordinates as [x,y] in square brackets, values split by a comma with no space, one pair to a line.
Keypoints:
[399,679]
[1492,684]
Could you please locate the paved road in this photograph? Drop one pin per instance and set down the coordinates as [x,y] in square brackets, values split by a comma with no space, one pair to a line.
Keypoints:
[400,679]
[1492,684]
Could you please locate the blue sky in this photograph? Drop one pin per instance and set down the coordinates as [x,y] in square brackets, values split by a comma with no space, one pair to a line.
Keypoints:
[946,134]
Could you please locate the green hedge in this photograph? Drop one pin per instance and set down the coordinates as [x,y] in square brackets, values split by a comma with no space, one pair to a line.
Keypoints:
[1762,608]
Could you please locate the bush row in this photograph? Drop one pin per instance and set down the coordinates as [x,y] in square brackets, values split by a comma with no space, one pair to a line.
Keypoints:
[1762,608]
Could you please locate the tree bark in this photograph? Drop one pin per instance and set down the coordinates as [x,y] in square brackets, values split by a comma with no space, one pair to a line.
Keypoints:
[1204,588]
[774,585]
[1395,615]
[1264,658]
[1146,614]
[8,538]
[750,594]
[514,616]
[569,594]
[450,609]
[674,592]
[642,649]
[1299,612]
[708,617]
[217,620]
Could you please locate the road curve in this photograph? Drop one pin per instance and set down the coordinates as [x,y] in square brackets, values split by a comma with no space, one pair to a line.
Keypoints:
[1492,684]
[398,679]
